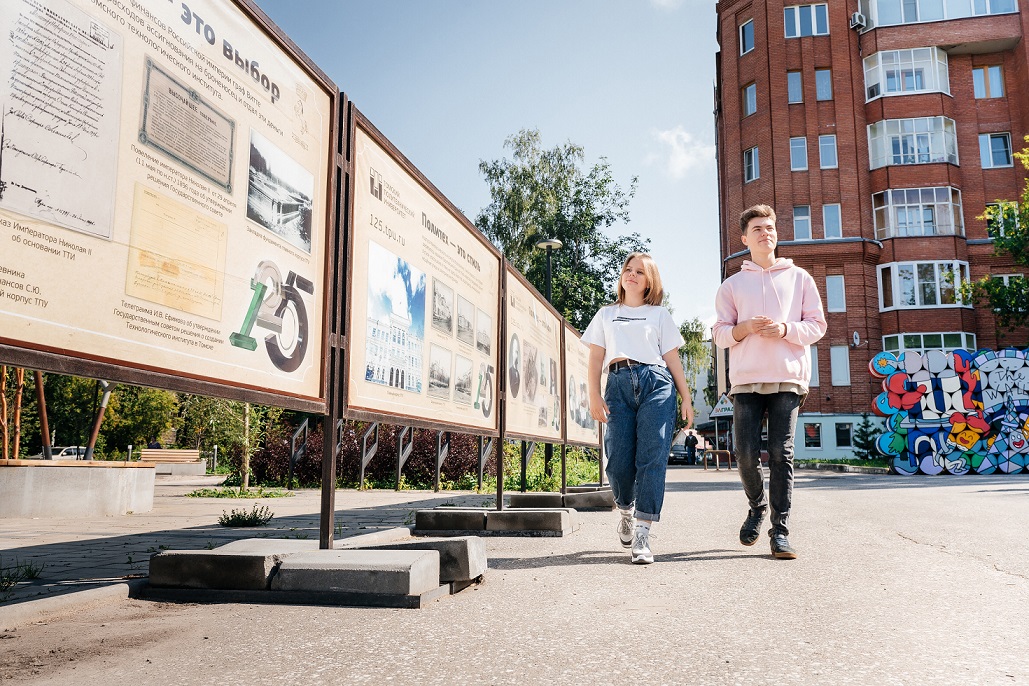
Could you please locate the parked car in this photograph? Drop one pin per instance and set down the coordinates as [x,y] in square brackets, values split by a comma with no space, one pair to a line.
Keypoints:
[678,454]
[70,452]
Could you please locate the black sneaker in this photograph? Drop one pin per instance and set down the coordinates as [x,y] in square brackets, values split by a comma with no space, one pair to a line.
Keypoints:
[782,549]
[751,529]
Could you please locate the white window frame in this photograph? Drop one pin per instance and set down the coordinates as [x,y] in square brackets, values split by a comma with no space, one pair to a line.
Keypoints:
[943,204]
[748,98]
[899,342]
[835,293]
[793,23]
[918,140]
[952,9]
[906,68]
[827,210]
[1002,207]
[986,139]
[889,275]
[753,41]
[799,76]
[802,217]
[828,142]
[751,166]
[813,381]
[798,145]
[818,91]
[839,360]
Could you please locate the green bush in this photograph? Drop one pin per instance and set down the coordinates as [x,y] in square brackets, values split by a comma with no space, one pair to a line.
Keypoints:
[259,516]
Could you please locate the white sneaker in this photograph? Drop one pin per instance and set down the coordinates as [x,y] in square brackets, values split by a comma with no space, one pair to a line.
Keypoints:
[626,524]
[641,554]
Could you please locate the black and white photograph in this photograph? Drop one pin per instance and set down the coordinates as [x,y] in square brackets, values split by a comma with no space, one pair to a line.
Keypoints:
[530,371]
[280,193]
[462,380]
[483,339]
[439,372]
[514,366]
[465,321]
[442,307]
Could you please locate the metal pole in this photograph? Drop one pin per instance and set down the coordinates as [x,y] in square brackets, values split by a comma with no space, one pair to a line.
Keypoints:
[548,448]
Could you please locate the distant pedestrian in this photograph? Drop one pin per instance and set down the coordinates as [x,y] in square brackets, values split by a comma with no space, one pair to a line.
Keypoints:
[637,342]
[768,315]
[691,447]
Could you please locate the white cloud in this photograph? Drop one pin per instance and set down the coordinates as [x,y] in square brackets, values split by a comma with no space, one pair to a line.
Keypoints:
[667,4]
[683,152]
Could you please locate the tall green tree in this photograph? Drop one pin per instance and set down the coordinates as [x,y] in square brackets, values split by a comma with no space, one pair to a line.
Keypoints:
[696,357]
[136,415]
[551,193]
[1008,226]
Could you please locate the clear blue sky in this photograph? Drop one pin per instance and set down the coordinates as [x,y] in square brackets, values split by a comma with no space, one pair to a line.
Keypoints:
[630,80]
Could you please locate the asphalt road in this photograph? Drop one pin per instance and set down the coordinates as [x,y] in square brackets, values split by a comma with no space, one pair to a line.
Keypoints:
[900,580]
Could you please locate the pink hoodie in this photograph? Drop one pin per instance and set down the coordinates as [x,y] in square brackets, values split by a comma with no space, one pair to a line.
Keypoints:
[784,293]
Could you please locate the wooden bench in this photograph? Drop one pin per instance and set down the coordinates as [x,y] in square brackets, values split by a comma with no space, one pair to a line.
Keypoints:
[168,455]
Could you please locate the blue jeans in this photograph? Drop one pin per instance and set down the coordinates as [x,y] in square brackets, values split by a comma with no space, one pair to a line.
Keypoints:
[748,411]
[641,400]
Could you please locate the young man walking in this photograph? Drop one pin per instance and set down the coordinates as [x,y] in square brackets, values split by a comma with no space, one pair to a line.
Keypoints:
[768,315]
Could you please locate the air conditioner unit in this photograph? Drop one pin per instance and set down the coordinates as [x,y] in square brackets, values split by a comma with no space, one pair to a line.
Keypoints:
[857,21]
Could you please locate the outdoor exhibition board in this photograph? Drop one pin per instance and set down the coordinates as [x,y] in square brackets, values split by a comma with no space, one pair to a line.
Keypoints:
[165,192]
[533,362]
[580,426]
[424,299]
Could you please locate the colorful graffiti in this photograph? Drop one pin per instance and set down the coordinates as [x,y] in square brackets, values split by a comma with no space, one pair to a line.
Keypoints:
[954,413]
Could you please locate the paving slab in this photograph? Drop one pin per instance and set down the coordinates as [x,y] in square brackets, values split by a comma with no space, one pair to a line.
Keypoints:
[393,572]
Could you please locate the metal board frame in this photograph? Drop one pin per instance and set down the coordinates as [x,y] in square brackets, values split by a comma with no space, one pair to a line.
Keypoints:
[570,330]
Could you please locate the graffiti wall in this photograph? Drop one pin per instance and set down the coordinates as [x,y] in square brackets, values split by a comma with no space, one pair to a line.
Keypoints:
[955,412]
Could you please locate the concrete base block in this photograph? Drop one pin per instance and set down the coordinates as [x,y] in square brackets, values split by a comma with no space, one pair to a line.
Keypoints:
[324,598]
[74,488]
[557,521]
[602,499]
[269,546]
[535,500]
[585,488]
[462,558]
[215,569]
[181,468]
[393,572]
[450,519]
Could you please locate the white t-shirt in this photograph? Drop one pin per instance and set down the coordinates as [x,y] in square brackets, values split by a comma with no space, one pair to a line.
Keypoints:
[642,333]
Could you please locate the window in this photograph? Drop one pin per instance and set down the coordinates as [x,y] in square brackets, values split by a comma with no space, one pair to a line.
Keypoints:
[814,366]
[988,82]
[746,37]
[827,152]
[751,165]
[802,222]
[843,433]
[908,285]
[839,358]
[832,222]
[1000,215]
[823,84]
[794,87]
[812,435]
[806,20]
[995,150]
[1010,280]
[835,296]
[749,99]
[922,140]
[918,212]
[892,12]
[923,342]
[899,72]
[798,154]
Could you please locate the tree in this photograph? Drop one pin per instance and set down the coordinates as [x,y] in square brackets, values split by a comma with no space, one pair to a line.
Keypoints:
[549,194]
[137,415]
[1008,226]
[865,436]
[696,356]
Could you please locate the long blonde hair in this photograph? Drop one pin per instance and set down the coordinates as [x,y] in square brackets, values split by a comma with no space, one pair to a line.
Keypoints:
[655,294]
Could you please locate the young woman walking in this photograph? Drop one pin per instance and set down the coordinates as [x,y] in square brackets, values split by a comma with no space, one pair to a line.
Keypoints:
[637,342]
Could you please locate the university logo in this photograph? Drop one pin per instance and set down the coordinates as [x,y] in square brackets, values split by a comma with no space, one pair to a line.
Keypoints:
[376,184]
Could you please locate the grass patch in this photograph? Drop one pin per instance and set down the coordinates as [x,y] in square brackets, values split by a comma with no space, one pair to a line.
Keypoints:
[259,516]
[229,492]
[11,576]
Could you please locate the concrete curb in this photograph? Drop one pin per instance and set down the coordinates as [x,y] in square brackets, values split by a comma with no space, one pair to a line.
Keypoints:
[853,469]
[32,610]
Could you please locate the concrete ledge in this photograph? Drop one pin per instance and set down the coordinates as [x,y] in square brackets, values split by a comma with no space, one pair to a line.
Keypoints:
[34,609]
[535,500]
[180,468]
[461,559]
[180,595]
[217,569]
[828,467]
[74,488]
[602,499]
[586,488]
[450,519]
[393,572]
[556,521]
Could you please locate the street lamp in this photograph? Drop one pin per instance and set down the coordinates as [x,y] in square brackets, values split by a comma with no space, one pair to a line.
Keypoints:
[550,245]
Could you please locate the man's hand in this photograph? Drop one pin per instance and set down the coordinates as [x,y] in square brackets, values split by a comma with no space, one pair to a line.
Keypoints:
[760,325]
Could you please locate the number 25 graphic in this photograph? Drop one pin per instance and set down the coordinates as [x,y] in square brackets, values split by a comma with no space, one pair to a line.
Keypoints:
[271,299]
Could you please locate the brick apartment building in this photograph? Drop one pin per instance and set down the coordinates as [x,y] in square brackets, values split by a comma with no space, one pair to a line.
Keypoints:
[879,130]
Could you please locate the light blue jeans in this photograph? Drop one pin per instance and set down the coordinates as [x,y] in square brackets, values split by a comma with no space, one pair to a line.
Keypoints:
[641,400]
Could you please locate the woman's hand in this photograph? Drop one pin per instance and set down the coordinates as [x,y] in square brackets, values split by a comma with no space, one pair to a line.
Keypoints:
[687,414]
[599,409]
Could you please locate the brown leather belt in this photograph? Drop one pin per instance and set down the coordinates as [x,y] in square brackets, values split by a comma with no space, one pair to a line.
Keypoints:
[622,364]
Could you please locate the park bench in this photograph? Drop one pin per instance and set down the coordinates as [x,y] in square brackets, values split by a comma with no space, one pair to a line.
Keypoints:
[174,460]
